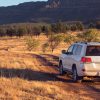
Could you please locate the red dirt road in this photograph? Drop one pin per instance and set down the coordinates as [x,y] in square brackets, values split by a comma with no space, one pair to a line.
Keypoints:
[87,88]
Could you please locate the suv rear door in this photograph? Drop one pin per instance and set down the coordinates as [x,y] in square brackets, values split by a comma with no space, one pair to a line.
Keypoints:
[75,58]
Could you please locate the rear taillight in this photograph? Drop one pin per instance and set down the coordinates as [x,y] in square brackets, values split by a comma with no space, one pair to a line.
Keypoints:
[86,60]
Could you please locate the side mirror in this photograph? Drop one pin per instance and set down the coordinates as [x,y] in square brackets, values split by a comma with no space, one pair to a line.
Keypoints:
[63,51]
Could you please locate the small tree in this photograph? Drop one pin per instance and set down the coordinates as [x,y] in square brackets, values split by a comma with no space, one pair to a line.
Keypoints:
[2,32]
[80,26]
[11,32]
[90,35]
[21,32]
[91,26]
[68,27]
[32,44]
[73,27]
[55,41]
[59,27]
[37,31]
[46,30]
[70,39]
[45,47]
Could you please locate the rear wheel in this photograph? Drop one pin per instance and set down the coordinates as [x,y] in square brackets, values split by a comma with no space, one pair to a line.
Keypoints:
[61,71]
[75,76]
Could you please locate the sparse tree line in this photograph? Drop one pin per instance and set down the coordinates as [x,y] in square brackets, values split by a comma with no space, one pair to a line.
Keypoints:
[56,33]
[31,29]
[13,30]
[54,40]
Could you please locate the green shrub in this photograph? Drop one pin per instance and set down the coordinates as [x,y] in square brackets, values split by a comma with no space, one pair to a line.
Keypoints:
[70,39]
[32,44]
[91,35]
[45,47]
[55,41]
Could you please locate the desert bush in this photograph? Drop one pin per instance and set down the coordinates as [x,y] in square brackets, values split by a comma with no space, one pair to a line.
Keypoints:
[11,32]
[91,35]
[2,32]
[69,39]
[80,26]
[21,32]
[37,30]
[73,27]
[46,30]
[55,41]
[45,47]
[91,26]
[59,27]
[32,43]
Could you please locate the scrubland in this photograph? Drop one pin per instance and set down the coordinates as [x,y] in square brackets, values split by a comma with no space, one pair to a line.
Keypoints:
[33,75]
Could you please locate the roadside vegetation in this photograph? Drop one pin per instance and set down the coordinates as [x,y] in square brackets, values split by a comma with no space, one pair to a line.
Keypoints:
[31,29]
[55,40]
[58,33]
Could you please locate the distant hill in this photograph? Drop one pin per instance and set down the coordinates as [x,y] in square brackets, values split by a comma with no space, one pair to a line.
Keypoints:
[51,11]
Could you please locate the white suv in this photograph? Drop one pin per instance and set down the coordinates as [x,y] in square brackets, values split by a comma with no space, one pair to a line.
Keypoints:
[82,59]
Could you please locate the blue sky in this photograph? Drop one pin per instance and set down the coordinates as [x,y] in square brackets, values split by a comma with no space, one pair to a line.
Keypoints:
[14,2]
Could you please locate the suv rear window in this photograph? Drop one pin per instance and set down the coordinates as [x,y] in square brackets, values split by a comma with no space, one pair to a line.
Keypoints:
[93,51]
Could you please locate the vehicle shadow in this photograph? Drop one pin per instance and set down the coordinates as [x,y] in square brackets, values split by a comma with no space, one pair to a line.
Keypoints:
[54,57]
[30,75]
[44,61]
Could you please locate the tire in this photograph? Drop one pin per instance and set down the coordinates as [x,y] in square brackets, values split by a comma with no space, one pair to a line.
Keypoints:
[61,71]
[75,76]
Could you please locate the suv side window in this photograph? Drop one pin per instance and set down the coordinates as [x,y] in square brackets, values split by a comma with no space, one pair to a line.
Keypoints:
[77,49]
[70,50]
[74,50]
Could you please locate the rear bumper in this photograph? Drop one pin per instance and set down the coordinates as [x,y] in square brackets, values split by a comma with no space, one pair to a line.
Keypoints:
[89,70]
[91,74]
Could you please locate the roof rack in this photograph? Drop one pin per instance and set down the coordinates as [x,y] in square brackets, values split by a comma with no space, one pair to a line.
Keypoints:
[82,42]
